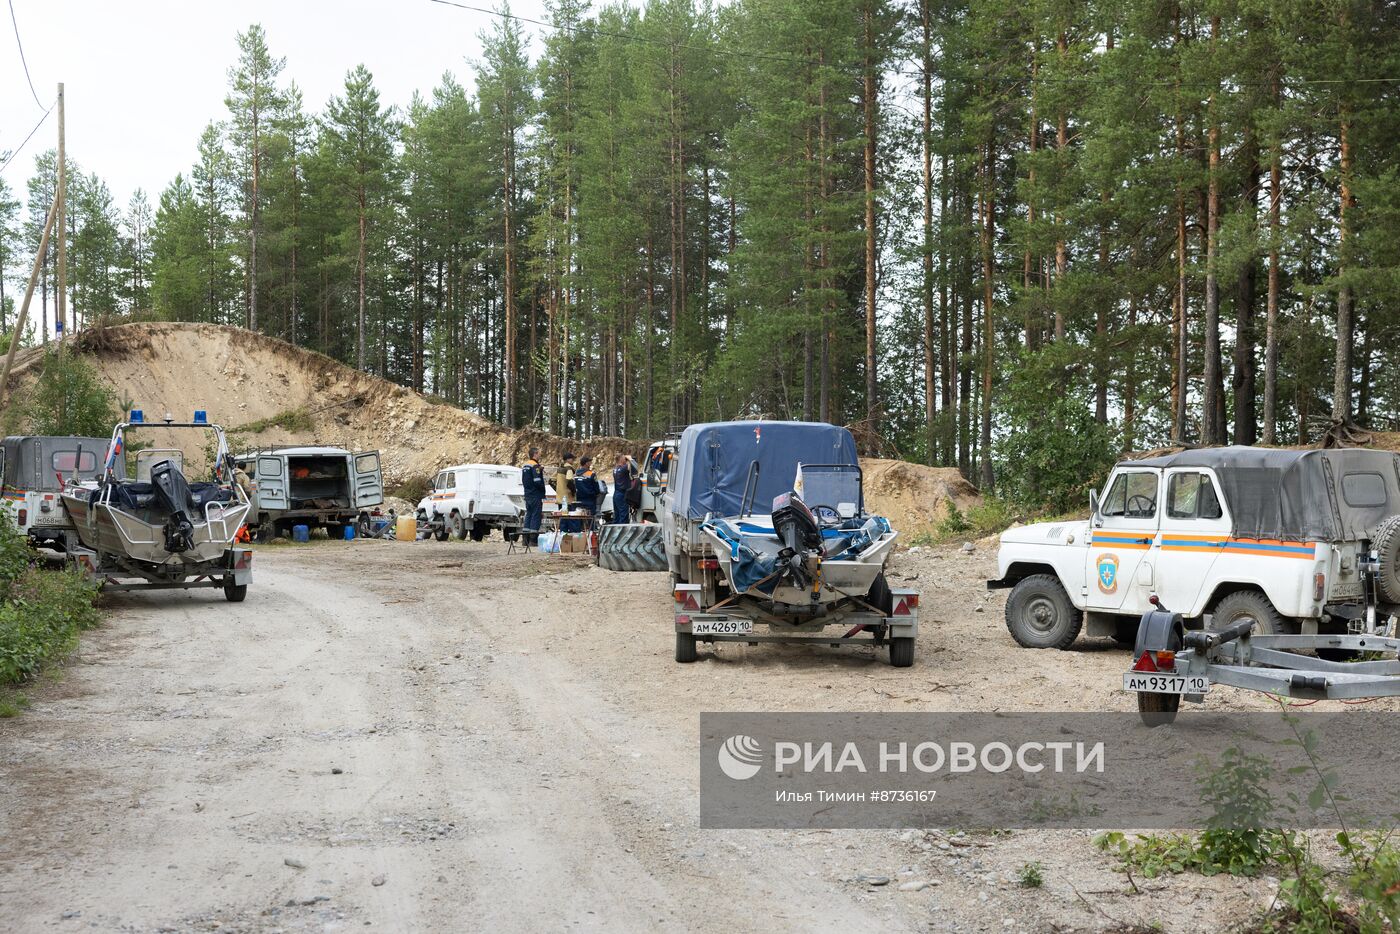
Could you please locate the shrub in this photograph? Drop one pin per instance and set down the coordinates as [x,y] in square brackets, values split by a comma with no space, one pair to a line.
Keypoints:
[40,622]
[69,399]
[1052,450]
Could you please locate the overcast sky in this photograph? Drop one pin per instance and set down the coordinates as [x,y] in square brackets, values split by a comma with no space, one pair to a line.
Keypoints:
[143,77]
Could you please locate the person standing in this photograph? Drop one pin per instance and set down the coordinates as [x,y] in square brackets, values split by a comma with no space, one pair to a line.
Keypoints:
[622,482]
[564,489]
[586,486]
[532,478]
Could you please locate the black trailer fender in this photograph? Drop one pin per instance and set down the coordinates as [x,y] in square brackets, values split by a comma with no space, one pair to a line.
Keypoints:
[1159,631]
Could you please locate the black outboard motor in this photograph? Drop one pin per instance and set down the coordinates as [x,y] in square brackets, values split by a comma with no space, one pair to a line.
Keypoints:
[800,534]
[172,493]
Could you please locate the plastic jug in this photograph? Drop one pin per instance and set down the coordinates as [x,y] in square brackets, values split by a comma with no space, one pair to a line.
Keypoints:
[349,533]
[301,533]
[407,529]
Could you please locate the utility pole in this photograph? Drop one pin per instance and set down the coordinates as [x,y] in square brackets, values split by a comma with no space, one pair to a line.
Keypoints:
[18,333]
[61,208]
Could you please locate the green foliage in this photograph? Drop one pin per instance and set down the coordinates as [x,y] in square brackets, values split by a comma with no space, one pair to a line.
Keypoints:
[1030,875]
[988,517]
[14,553]
[41,612]
[295,421]
[70,399]
[40,621]
[1054,451]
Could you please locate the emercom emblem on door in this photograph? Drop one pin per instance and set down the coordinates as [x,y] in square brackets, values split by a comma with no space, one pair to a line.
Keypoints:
[1108,573]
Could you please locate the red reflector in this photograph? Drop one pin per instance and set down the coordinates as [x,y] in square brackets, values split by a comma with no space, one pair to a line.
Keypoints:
[683,619]
[905,606]
[686,599]
[1319,586]
[709,564]
[1145,662]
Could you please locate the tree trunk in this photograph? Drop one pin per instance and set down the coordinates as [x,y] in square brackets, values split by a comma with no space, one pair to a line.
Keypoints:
[1212,426]
[1341,376]
[1061,248]
[930,348]
[1271,305]
[360,271]
[1246,425]
[871,83]
[988,312]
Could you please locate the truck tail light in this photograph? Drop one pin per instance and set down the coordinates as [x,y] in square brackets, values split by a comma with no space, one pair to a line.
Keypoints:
[709,564]
[1319,586]
[243,560]
[23,517]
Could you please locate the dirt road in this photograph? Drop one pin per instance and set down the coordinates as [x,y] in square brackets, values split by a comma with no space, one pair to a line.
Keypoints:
[420,737]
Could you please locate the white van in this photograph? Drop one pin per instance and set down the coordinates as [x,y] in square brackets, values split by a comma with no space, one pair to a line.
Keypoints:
[470,500]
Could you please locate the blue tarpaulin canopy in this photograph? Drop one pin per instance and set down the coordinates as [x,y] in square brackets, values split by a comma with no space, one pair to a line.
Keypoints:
[712,462]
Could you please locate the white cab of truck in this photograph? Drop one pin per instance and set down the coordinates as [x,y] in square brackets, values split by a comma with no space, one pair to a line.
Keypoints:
[471,499]
[1234,532]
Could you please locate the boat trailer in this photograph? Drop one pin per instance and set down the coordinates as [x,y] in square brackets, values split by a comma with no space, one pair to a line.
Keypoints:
[1171,664]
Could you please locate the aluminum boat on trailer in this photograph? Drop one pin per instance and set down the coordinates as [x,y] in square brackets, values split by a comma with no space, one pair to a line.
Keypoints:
[158,530]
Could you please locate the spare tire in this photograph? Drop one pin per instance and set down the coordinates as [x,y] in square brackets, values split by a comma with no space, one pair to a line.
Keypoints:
[1386,541]
[631,547]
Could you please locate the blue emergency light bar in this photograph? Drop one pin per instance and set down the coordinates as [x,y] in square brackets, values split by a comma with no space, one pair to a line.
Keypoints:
[201,417]
[137,417]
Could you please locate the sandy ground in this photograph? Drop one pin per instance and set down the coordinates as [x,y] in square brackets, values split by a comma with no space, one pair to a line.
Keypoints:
[440,736]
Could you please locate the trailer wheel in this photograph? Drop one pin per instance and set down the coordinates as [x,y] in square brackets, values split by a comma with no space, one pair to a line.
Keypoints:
[234,593]
[1039,614]
[882,599]
[685,647]
[459,527]
[902,651]
[1158,709]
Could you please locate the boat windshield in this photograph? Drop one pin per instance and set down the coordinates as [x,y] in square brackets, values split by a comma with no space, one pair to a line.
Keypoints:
[834,485]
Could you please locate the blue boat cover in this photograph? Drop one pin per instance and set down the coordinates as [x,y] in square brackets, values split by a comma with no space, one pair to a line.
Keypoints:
[712,462]
[753,549]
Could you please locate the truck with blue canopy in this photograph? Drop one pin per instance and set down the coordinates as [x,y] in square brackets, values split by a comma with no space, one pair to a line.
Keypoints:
[765,525]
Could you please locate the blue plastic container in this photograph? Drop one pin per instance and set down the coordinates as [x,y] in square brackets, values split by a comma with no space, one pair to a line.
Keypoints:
[349,533]
[301,533]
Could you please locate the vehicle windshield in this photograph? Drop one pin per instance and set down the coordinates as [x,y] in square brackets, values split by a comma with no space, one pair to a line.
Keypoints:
[1132,496]
[834,485]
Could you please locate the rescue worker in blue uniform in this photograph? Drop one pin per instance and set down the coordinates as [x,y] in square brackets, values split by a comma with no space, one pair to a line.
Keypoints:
[622,482]
[586,486]
[532,478]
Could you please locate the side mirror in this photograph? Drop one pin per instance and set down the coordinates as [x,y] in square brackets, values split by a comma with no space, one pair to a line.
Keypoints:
[1094,506]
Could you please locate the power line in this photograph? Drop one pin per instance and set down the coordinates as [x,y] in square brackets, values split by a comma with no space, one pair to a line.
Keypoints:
[15,155]
[22,60]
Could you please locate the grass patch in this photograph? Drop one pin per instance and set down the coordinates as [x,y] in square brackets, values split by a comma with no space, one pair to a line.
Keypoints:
[41,614]
[1031,875]
[296,421]
[988,517]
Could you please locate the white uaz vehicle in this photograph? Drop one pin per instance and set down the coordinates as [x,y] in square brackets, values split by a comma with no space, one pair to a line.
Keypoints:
[1298,541]
[469,500]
